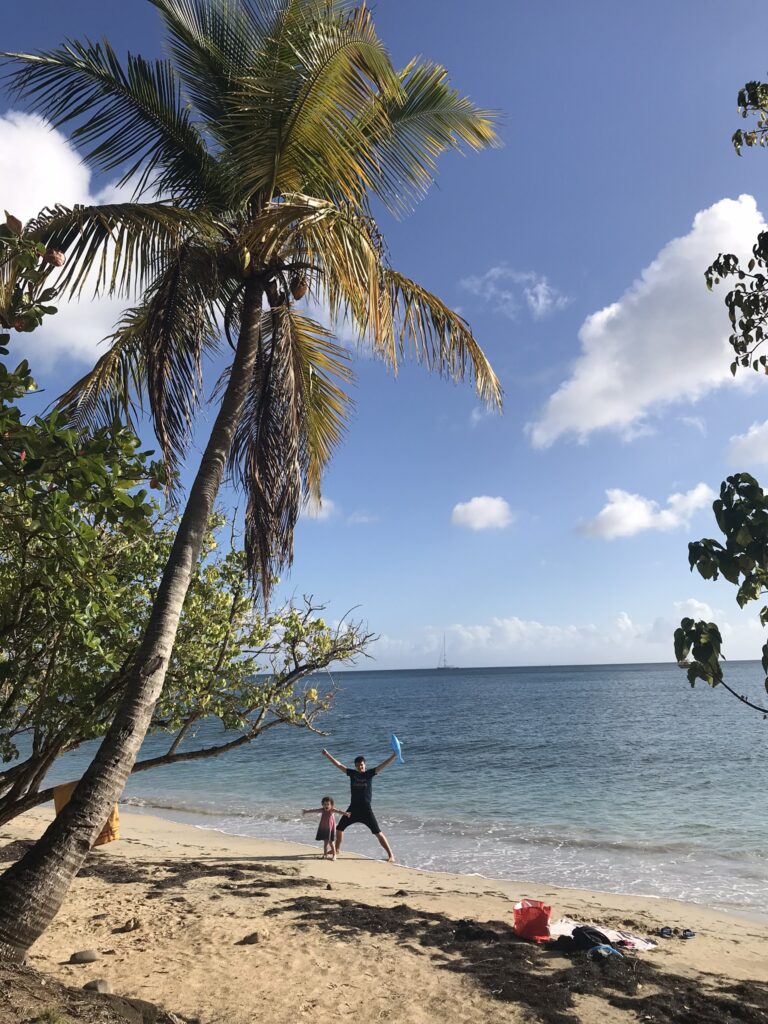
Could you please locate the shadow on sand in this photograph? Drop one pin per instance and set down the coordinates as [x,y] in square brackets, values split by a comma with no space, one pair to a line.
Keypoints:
[519,972]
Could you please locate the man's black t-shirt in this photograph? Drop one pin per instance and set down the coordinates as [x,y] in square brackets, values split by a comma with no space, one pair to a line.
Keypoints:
[361,787]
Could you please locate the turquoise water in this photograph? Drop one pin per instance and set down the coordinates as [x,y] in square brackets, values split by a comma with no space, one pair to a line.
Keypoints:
[616,778]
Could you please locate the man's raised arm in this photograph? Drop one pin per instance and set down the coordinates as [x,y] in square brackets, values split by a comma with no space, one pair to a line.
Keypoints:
[383,765]
[332,759]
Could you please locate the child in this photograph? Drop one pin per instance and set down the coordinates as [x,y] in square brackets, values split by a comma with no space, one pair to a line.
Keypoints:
[326,830]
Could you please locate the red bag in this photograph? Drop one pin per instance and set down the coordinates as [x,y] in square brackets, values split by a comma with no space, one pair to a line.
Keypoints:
[532,920]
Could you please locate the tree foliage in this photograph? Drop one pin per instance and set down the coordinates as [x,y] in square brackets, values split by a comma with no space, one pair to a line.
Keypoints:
[741,513]
[260,149]
[82,548]
[747,301]
[63,663]
[741,510]
[257,152]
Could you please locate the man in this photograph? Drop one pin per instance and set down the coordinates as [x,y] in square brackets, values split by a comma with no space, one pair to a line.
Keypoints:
[360,810]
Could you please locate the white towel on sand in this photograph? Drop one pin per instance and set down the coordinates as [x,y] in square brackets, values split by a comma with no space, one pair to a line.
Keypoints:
[565,926]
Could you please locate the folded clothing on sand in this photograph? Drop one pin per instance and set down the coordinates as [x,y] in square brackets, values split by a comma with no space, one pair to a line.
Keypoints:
[565,926]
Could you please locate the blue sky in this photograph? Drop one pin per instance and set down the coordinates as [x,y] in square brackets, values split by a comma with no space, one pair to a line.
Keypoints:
[557,532]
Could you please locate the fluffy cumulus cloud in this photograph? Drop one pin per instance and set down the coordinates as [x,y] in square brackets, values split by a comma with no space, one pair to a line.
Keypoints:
[626,514]
[508,639]
[512,640]
[39,168]
[507,291]
[663,341]
[482,513]
[692,608]
[751,448]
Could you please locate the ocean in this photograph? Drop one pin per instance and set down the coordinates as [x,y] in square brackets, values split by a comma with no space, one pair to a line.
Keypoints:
[617,778]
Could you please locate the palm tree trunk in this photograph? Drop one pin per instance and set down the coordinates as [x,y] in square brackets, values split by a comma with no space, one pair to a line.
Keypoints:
[34,888]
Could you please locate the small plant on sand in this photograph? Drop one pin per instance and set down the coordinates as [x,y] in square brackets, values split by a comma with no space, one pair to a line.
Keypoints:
[53,1016]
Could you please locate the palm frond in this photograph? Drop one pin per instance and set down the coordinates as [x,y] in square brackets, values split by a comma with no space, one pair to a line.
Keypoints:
[293,420]
[178,327]
[346,253]
[328,71]
[112,390]
[212,46]
[114,247]
[426,119]
[438,337]
[325,371]
[156,351]
[394,314]
[131,118]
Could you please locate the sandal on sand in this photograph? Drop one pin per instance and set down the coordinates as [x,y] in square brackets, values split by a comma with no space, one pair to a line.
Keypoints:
[665,933]
[687,934]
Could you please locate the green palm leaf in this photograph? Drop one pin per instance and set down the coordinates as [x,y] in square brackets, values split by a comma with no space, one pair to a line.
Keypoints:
[296,110]
[132,118]
[116,246]
[274,125]
[156,351]
[112,389]
[212,46]
[425,120]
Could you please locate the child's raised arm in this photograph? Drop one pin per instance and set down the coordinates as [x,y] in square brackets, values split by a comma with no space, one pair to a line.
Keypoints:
[313,810]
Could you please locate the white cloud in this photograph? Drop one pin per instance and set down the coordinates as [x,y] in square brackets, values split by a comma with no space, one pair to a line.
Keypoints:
[512,640]
[482,513]
[695,423]
[478,414]
[627,514]
[623,637]
[695,609]
[38,168]
[362,519]
[507,290]
[320,510]
[663,341]
[750,448]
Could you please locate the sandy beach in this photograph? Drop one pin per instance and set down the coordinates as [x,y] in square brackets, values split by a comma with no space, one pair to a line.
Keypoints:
[235,930]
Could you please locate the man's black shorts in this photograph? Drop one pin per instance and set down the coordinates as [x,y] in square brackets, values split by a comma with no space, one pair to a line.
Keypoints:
[363,815]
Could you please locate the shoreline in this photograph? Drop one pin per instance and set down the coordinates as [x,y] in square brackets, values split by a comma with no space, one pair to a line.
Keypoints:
[747,915]
[235,926]
[187,818]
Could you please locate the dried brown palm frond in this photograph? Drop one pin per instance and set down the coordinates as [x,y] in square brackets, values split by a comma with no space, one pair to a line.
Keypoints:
[294,419]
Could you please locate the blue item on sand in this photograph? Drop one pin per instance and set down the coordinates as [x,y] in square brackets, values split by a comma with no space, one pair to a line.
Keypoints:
[604,950]
[395,744]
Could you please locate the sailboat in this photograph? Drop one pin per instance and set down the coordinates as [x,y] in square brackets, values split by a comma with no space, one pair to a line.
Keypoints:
[442,663]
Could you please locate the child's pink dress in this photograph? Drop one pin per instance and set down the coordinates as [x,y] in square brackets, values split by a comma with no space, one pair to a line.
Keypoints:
[326,830]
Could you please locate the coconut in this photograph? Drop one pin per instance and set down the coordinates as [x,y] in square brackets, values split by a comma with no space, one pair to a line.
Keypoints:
[55,257]
[298,286]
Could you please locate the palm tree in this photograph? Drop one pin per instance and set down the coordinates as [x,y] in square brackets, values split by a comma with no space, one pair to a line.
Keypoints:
[256,153]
